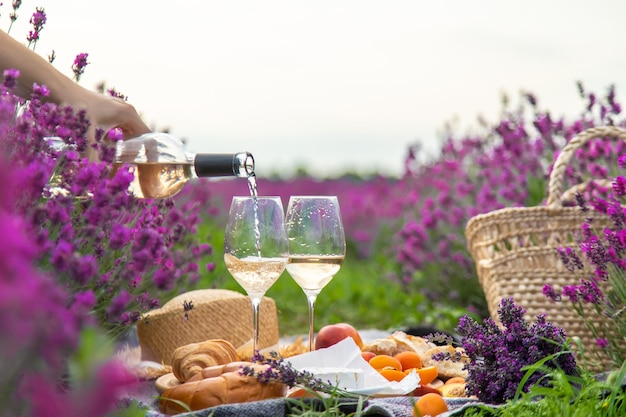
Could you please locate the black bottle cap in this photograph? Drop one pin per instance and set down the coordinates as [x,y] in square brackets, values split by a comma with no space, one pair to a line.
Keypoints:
[215,165]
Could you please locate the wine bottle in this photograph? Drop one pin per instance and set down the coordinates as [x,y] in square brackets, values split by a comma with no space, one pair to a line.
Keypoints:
[162,167]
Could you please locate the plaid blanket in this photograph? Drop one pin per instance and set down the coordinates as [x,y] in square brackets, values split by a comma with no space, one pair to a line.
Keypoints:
[374,407]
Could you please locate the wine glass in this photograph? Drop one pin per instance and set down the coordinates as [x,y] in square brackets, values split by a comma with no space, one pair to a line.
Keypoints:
[317,246]
[256,249]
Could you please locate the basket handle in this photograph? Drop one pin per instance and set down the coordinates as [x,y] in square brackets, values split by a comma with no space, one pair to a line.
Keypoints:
[570,193]
[555,186]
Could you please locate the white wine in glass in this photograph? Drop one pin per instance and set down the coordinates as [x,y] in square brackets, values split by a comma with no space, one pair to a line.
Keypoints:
[256,249]
[317,246]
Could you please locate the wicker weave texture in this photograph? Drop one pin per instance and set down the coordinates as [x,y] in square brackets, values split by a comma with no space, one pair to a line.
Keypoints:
[515,249]
[216,314]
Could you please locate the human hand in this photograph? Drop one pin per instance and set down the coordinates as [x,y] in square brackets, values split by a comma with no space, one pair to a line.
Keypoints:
[103,111]
[106,112]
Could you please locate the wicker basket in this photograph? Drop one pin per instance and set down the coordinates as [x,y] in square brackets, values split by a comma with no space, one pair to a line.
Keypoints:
[515,250]
[216,314]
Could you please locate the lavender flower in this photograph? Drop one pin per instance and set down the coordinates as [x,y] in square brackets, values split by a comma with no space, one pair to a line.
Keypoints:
[498,355]
[91,233]
[97,397]
[38,19]
[605,287]
[9,81]
[619,185]
[278,370]
[504,166]
[551,293]
[38,331]
[66,267]
[78,67]
[15,4]
[570,259]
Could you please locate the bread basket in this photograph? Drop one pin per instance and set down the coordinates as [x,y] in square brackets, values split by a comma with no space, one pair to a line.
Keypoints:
[515,251]
[216,314]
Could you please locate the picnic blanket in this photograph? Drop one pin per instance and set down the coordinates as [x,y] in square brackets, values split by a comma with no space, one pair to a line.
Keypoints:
[373,407]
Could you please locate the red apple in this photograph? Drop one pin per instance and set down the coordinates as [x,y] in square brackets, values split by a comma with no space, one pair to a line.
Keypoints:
[335,333]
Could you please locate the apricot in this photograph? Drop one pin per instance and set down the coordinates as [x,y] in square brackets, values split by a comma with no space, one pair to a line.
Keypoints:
[335,333]
[392,374]
[367,355]
[380,362]
[409,359]
[455,389]
[427,374]
[430,405]
[455,380]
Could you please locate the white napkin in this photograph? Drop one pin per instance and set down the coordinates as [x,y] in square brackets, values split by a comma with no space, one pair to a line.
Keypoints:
[351,372]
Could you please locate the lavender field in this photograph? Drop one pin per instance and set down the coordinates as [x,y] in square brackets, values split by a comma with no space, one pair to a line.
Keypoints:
[92,259]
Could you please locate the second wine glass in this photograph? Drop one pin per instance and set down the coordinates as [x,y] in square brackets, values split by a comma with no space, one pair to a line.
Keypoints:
[317,246]
[256,248]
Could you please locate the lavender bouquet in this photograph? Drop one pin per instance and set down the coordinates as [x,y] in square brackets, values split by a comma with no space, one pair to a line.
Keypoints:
[500,355]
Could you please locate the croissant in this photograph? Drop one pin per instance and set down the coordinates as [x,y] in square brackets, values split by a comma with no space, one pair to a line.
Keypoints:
[190,359]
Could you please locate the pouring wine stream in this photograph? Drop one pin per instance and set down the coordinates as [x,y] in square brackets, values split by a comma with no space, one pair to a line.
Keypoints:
[252,186]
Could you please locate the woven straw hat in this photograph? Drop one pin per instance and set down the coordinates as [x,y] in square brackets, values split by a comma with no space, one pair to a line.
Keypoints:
[216,314]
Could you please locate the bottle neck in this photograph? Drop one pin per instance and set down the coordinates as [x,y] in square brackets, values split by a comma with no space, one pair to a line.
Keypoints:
[223,165]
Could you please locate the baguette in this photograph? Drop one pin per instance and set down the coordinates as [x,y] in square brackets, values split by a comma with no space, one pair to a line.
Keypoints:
[398,342]
[221,384]
[190,359]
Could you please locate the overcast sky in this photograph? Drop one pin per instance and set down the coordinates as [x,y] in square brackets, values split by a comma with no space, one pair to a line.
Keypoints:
[332,84]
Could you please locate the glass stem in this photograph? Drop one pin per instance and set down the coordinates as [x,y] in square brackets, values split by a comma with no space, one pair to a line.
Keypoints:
[311,297]
[256,303]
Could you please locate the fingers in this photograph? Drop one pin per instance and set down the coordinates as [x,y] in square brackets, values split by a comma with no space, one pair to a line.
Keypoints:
[128,120]
[106,113]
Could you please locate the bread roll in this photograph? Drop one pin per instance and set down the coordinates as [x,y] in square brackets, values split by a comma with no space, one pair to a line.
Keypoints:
[224,385]
[419,344]
[217,370]
[448,368]
[190,359]
[398,342]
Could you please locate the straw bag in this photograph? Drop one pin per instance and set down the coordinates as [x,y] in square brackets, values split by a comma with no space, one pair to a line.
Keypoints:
[515,249]
[216,314]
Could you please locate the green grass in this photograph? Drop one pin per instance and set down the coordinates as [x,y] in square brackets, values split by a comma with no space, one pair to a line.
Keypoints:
[564,396]
[360,294]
